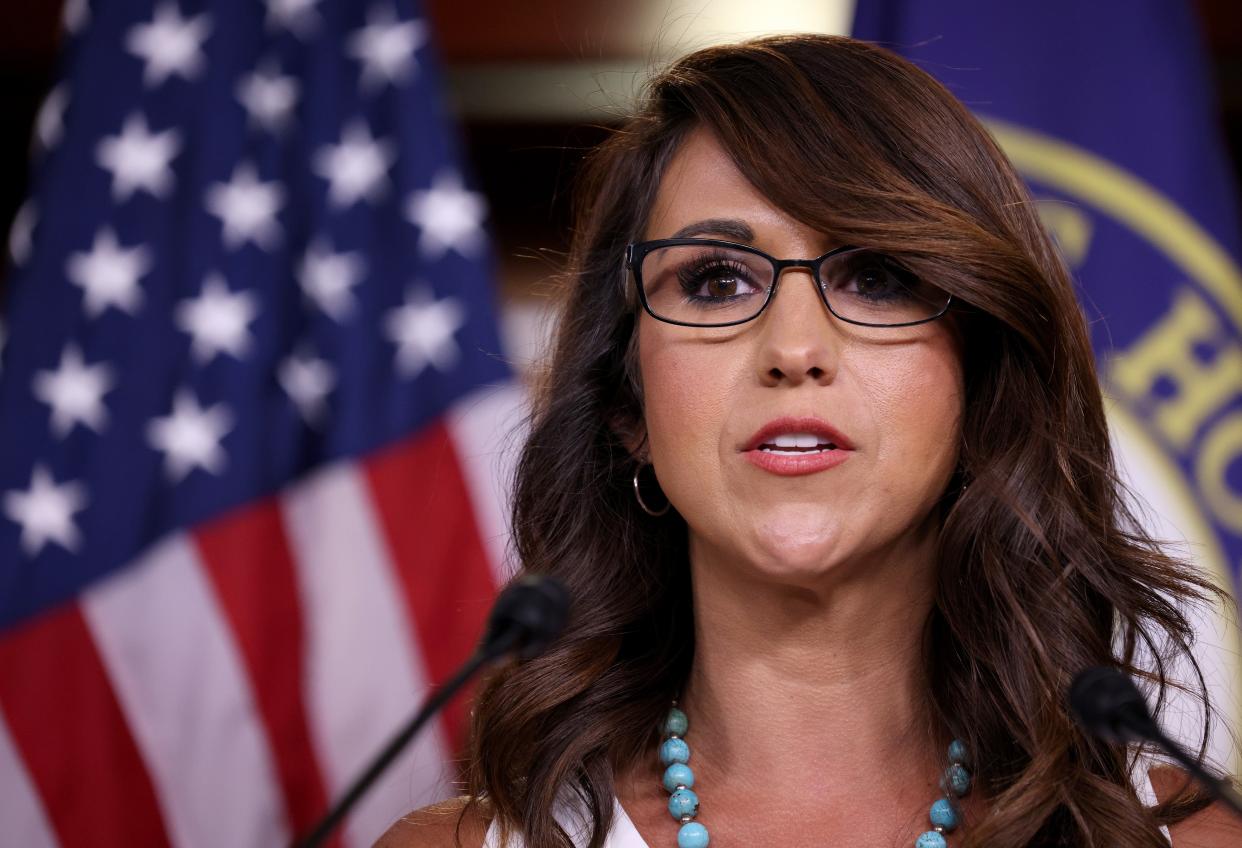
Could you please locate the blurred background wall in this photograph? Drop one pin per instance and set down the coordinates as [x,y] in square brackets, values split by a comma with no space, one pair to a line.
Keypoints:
[535,84]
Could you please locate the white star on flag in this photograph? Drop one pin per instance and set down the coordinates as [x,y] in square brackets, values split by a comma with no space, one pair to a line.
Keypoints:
[190,436]
[75,392]
[299,16]
[139,159]
[45,512]
[328,278]
[170,44]
[385,47]
[217,320]
[355,168]
[76,15]
[109,274]
[308,381]
[50,122]
[268,97]
[423,330]
[247,208]
[448,216]
[21,232]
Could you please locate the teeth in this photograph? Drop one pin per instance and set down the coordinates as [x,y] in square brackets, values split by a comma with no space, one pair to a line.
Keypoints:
[797,440]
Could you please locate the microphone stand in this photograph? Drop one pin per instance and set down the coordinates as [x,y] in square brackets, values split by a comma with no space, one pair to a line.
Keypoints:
[1107,704]
[1218,788]
[527,616]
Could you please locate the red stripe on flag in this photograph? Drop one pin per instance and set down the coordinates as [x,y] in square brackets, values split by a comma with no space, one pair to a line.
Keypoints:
[429,524]
[73,737]
[248,558]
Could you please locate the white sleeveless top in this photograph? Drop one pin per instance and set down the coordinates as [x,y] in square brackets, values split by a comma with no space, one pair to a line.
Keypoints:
[625,835]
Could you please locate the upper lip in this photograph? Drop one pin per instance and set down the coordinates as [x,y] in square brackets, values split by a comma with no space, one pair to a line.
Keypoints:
[789,424]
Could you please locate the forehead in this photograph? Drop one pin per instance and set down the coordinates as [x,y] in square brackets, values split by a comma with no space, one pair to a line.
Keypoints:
[701,182]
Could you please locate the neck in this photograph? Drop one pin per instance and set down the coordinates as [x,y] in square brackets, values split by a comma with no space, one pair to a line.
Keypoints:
[828,677]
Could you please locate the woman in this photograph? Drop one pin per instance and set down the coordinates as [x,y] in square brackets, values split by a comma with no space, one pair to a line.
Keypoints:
[863,532]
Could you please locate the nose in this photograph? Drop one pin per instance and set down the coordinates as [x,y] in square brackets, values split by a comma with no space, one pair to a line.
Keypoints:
[798,337]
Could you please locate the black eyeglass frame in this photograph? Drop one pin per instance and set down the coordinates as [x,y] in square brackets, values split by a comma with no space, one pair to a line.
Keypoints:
[636,252]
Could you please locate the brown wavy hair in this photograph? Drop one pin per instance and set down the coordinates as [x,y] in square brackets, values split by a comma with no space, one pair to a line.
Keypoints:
[1043,568]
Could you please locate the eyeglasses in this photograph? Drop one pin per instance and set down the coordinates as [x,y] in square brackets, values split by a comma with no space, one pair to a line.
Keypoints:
[710,283]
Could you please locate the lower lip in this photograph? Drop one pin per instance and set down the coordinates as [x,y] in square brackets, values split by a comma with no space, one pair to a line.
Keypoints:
[795,464]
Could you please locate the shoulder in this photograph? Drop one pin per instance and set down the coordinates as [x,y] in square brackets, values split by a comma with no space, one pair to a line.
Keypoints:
[437,827]
[1215,826]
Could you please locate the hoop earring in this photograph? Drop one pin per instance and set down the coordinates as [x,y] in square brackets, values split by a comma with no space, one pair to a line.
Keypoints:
[638,496]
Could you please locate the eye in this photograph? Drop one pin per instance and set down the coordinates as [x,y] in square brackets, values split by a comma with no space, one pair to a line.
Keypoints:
[874,276]
[874,280]
[715,278]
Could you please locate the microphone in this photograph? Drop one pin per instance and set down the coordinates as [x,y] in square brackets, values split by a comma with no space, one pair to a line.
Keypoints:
[528,615]
[1108,705]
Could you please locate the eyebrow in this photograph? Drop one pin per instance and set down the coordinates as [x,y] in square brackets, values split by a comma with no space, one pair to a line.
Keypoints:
[731,228]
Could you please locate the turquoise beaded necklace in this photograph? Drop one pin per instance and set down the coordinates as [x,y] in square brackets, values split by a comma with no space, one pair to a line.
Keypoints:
[683,803]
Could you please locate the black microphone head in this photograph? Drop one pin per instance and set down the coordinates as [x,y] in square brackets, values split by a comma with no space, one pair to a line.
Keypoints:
[527,616]
[1107,704]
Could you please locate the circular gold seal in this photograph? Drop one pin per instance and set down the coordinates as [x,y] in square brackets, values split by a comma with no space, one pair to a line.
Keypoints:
[1194,506]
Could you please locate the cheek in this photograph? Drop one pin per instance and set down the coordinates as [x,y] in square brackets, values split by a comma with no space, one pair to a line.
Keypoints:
[918,407]
[686,388]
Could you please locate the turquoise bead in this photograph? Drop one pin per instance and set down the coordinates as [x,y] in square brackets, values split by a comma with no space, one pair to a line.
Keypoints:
[692,835]
[683,803]
[931,839]
[957,779]
[678,774]
[944,814]
[674,751]
[957,752]
[676,723]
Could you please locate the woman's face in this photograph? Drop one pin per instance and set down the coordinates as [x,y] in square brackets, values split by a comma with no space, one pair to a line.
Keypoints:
[893,394]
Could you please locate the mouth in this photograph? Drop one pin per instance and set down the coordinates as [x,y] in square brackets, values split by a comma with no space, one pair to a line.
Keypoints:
[797,443]
[796,446]
[790,435]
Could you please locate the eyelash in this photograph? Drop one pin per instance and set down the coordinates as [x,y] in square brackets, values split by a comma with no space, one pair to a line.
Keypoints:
[691,277]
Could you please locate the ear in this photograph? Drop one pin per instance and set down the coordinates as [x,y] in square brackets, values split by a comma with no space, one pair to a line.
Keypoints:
[626,418]
[631,432]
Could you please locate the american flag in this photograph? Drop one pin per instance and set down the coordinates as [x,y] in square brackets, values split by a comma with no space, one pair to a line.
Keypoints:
[250,479]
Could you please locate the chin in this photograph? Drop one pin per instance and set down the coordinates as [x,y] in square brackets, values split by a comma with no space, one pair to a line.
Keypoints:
[796,549]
